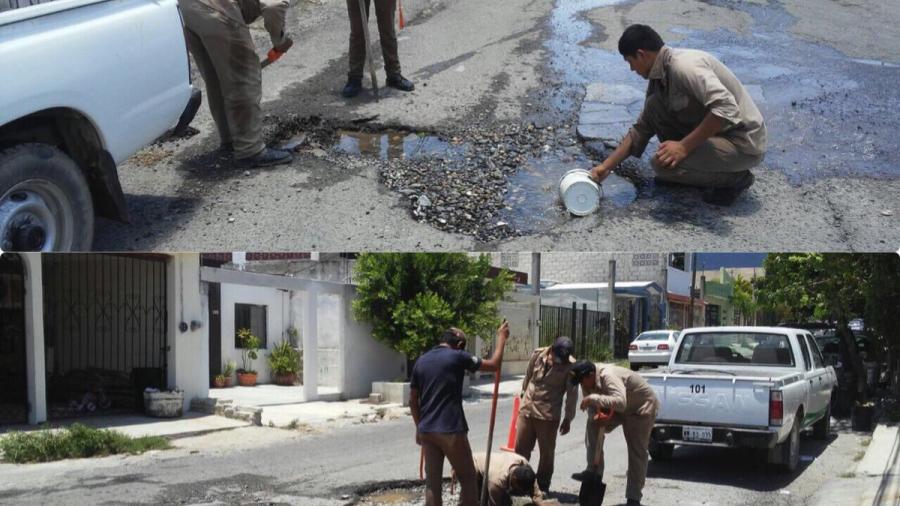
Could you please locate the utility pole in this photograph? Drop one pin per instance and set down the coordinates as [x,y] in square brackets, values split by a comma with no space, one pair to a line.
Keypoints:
[693,287]
[535,273]
[612,304]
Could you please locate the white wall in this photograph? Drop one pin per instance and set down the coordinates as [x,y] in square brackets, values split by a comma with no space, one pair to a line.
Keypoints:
[679,282]
[278,313]
[365,359]
[189,351]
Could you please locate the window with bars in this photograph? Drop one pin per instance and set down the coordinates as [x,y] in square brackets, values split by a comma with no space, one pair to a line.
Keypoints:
[253,317]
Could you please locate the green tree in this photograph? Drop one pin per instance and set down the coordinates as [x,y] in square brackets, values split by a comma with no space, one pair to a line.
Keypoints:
[411,298]
[743,299]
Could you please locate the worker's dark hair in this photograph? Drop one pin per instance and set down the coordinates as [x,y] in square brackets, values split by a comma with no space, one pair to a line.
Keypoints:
[562,347]
[452,336]
[581,369]
[522,480]
[639,37]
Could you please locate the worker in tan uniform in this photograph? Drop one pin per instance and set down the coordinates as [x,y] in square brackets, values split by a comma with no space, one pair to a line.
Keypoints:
[631,400]
[510,476]
[384,12]
[546,383]
[710,131]
[220,41]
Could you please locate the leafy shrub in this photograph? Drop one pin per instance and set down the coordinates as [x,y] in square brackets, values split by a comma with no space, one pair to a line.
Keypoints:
[77,441]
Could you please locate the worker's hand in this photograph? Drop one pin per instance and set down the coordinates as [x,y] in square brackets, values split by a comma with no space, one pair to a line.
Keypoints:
[585,403]
[565,427]
[284,46]
[503,331]
[599,173]
[670,154]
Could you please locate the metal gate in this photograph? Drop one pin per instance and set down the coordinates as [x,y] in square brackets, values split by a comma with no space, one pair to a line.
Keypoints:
[13,372]
[105,322]
[589,330]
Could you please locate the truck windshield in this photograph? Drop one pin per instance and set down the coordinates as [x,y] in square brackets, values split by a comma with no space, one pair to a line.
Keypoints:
[735,348]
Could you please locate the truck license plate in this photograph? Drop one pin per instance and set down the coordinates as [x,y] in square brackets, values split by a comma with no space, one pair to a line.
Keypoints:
[698,434]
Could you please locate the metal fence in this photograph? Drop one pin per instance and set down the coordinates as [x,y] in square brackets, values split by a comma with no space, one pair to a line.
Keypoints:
[14,393]
[105,331]
[588,329]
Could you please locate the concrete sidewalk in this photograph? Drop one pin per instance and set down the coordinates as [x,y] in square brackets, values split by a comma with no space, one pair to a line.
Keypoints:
[191,424]
[510,386]
[876,478]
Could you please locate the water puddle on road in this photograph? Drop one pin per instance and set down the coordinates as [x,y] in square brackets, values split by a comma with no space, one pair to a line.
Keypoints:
[397,144]
[392,497]
[532,202]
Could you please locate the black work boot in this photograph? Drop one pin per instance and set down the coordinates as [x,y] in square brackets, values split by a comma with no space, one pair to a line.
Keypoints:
[266,158]
[592,490]
[400,82]
[633,502]
[727,196]
[352,88]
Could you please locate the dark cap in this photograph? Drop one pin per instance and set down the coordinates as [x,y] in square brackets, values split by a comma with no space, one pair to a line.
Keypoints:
[581,369]
[563,348]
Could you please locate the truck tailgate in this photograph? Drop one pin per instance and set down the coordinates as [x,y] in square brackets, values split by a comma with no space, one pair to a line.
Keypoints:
[712,399]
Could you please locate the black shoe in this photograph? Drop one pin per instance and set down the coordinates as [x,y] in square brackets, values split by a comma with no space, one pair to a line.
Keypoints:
[633,502]
[658,181]
[266,158]
[352,88]
[400,82]
[227,147]
[727,196]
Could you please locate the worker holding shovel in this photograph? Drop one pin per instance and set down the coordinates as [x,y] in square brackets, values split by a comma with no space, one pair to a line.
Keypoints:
[360,45]
[546,383]
[614,396]
[435,401]
[219,40]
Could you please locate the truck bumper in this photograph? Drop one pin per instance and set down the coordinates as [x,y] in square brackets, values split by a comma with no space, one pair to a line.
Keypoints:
[723,437]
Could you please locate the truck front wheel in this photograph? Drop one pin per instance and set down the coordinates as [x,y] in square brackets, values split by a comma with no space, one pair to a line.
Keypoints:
[45,201]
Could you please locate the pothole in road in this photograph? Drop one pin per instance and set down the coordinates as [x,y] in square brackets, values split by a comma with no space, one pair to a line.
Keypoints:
[398,144]
[412,493]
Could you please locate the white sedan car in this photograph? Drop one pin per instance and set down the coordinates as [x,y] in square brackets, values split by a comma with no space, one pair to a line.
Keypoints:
[652,348]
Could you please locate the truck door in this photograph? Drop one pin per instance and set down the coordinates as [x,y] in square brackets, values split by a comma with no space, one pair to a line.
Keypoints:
[824,380]
[813,382]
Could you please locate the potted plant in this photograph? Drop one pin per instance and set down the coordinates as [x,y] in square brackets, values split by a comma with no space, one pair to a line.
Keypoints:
[284,362]
[249,352]
[224,380]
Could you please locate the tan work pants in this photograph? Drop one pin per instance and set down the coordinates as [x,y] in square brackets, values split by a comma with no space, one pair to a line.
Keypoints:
[384,11]
[637,431]
[530,430]
[716,163]
[455,447]
[224,52]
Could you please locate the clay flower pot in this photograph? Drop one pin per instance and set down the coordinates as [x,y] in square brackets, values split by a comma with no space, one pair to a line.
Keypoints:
[289,379]
[220,382]
[246,379]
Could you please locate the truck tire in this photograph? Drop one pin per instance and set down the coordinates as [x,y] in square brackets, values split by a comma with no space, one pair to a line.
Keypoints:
[661,451]
[45,201]
[635,367]
[790,449]
[822,428]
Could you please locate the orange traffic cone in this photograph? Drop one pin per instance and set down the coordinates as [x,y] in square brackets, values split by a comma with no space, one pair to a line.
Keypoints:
[402,20]
[511,441]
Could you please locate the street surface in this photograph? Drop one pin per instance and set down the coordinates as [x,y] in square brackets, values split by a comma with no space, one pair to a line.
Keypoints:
[476,150]
[330,467]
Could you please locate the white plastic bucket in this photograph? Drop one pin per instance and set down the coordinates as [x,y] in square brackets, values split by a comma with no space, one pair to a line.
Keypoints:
[579,193]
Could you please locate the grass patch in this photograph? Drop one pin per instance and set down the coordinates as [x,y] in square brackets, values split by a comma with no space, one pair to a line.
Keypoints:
[848,475]
[859,456]
[866,442]
[75,442]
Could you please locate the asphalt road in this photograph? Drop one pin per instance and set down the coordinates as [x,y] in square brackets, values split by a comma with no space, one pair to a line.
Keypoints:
[822,76]
[275,466]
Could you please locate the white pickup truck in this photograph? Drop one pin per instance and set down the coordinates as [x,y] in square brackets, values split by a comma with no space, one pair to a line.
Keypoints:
[752,387]
[84,84]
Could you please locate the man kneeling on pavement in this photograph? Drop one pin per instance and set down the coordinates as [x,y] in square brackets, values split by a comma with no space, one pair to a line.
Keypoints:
[710,131]
[633,405]
[510,476]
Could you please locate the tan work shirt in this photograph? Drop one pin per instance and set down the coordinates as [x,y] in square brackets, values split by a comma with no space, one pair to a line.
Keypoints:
[498,476]
[273,12]
[545,385]
[622,390]
[692,83]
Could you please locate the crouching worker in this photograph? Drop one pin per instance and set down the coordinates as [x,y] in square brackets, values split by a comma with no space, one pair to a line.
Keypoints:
[614,396]
[509,477]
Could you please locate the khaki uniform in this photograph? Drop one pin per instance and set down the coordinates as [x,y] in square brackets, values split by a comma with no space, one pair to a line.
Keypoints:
[454,446]
[498,476]
[544,386]
[223,50]
[685,85]
[384,12]
[635,405]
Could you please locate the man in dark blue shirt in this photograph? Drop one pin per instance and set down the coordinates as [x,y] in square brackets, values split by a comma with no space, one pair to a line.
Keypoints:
[435,401]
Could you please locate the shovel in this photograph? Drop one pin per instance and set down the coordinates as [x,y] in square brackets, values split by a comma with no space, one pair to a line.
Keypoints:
[369,53]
